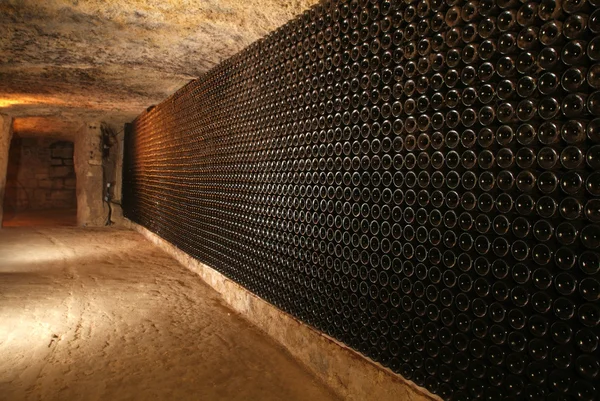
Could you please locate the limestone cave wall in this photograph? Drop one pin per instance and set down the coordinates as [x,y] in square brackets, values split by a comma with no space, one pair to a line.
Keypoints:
[40,175]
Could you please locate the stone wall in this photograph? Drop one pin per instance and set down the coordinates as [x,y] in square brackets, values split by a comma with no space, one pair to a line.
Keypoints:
[91,210]
[40,175]
[6,132]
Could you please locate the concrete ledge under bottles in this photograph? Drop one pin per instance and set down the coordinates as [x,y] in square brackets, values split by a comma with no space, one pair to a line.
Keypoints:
[348,373]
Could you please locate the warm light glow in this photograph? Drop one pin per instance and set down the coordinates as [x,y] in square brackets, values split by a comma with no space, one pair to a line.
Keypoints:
[26,100]
[11,102]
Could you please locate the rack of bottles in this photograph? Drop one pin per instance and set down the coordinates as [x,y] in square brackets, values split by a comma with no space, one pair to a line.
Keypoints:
[417,179]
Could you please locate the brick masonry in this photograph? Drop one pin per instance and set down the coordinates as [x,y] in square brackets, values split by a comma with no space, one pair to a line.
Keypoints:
[40,175]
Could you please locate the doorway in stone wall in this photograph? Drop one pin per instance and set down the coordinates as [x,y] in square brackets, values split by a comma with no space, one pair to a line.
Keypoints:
[40,183]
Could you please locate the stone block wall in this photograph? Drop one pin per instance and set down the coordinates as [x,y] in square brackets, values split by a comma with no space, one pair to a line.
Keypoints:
[41,175]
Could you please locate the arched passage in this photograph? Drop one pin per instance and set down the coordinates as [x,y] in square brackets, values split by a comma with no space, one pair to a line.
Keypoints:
[40,182]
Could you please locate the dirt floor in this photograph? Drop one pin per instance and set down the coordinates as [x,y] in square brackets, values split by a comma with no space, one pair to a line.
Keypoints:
[101,314]
[40,218]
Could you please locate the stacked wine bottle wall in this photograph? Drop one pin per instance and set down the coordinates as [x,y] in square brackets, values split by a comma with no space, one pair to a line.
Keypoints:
[417,179]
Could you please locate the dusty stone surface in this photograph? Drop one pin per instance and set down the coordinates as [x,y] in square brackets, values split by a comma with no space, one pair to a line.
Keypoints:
[352,376]
[96,58]
[40,175]
[91,210]
[102,314]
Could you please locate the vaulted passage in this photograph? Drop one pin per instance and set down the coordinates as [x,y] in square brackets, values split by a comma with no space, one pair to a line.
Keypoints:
[40,183]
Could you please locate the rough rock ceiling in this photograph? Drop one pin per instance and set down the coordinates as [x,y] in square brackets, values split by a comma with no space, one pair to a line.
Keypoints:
[111,59]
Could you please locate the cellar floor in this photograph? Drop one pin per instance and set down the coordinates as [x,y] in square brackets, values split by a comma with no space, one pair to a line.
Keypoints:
[101,314]
[40,218]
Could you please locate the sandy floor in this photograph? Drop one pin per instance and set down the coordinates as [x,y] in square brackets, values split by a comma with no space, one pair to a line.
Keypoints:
[40,218]
[100,314]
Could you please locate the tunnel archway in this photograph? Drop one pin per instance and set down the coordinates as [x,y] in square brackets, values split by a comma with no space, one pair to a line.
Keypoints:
[40,182]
